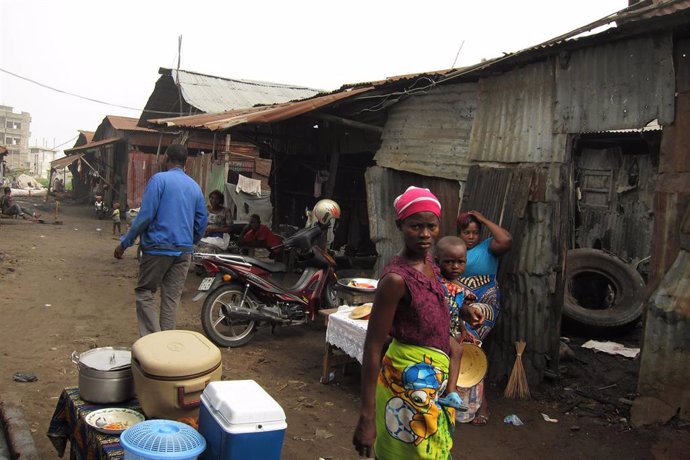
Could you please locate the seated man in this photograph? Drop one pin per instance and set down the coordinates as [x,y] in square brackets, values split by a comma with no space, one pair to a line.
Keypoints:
[10,208]
[257,235]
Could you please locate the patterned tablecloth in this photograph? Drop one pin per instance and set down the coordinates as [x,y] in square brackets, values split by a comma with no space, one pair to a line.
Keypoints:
[346,333]
[86,443]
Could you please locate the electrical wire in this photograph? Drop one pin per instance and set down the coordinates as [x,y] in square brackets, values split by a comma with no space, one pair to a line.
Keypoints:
[82,97]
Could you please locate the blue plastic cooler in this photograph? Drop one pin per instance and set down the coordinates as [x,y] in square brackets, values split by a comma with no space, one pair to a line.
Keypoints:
[240,421]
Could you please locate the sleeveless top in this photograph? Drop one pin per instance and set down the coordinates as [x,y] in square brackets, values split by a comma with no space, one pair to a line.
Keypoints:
[426,320]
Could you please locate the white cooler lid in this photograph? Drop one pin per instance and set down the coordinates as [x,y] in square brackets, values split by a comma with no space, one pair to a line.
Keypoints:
[242,401]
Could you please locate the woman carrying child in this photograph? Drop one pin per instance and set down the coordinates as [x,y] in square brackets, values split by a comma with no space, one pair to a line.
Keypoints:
[400,414]
[480,277]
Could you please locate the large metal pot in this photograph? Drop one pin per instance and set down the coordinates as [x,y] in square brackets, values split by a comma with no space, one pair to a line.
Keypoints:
[105,374]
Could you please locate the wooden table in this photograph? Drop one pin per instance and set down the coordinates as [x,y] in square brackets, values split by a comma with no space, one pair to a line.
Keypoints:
[335,344]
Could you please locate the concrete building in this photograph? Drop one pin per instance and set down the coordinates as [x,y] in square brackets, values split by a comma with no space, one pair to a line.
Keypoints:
[14,134]
[39,161]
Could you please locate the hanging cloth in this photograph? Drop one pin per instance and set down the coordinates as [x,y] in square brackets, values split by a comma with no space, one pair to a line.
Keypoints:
[247,185]
[321,177]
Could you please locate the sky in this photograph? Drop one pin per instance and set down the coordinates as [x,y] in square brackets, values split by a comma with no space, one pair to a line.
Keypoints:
[111,51]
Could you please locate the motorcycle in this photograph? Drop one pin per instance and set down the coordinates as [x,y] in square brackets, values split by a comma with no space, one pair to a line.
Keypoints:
[243,292]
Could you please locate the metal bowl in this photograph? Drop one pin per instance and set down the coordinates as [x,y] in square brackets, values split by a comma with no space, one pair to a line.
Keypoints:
[359,284]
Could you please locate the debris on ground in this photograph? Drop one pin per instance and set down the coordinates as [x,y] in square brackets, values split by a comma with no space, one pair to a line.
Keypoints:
[612,348]
[24,377]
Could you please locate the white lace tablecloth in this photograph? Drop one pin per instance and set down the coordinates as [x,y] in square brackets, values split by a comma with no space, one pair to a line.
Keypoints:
[346,333]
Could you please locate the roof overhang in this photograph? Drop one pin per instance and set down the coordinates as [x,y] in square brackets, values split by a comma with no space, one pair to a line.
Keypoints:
[91,145]
[264,114]
[63,162]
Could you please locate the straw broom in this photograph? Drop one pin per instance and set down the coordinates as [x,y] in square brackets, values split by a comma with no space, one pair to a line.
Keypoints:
[517,383]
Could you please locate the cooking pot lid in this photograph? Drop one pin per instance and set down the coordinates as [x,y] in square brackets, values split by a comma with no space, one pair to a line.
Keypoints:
[106,358]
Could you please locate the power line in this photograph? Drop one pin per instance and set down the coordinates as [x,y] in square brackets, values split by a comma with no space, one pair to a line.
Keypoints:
[66,92]
[82,97]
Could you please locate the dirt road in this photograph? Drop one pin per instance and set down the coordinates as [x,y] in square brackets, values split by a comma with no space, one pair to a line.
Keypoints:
[61,291]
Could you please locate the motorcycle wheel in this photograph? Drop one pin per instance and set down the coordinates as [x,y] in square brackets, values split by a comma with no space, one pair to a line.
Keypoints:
[221,329]
[329,298]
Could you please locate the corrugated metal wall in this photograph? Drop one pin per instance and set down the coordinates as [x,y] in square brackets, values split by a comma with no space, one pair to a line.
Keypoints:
[428,134]
[665,361]
[141,167]
[618,85]
[198,168]
[528,202]
[383,185]
[514,117]
[525,114]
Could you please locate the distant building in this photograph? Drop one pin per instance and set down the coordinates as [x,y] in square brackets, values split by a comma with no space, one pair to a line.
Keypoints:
[39,161]
[14,134]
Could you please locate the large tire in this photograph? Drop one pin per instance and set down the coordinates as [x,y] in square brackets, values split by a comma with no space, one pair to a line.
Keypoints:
[601,291]
[222,330]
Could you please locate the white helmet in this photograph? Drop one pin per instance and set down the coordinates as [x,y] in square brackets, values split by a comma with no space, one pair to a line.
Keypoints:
[325,210]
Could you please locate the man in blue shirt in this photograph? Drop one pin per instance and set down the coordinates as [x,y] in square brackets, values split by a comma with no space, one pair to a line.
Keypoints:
[172,218]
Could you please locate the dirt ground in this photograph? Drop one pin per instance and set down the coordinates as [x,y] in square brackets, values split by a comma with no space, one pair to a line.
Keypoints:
[61,291]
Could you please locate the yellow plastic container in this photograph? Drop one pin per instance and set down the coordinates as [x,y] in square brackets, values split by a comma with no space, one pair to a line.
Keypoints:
[171,370]
[473,366]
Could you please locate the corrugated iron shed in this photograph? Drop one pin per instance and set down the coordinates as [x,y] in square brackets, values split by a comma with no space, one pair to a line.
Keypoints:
[87,135]
[264,114]
[514,118]
[429,134]
[215,94]
[126,124]
[619,85]
[91,145]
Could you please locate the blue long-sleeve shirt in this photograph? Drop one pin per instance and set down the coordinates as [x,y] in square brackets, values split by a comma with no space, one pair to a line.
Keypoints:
[172,217]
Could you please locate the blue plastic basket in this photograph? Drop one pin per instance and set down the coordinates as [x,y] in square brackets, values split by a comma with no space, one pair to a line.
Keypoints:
[162,439]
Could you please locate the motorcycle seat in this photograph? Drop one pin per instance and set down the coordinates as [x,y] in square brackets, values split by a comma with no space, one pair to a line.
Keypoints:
[273,267]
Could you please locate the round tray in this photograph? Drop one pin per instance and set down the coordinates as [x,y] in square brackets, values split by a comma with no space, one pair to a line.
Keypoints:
[103,420]
[359,284]
[473,365]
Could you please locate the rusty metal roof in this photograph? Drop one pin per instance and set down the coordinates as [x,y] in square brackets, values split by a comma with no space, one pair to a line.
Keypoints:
[88,135]
[126,124]
[215,94]
[634,15]
[63,162]
[91,145]
[263,114]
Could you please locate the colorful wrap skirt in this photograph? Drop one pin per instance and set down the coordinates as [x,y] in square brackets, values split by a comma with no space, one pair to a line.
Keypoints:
[488,300]
[410,423]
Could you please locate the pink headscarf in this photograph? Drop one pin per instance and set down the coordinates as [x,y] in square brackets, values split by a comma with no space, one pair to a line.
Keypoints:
[414,200]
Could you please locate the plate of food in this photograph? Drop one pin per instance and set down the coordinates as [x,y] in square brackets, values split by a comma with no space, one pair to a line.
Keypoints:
[359,284]
[113,420]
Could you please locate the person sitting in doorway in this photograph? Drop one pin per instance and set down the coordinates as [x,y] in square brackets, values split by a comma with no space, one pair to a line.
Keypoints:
[217,236]
[257,235]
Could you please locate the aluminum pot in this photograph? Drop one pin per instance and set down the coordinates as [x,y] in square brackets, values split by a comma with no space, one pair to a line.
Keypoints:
[105,374]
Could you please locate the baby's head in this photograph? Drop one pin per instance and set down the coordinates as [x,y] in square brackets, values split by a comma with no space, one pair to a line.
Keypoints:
[451,257]
[116,205]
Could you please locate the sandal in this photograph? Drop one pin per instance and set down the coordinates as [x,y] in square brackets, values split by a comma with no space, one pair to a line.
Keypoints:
[480,420]
[453,400]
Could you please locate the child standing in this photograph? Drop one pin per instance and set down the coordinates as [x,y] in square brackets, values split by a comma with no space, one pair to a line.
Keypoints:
[451,257]
[116,219]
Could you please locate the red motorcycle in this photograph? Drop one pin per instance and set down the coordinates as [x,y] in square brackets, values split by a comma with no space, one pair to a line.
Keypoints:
[243,292]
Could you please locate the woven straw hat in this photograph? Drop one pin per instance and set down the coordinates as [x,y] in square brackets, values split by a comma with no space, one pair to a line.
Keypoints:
[473,365]
[361,312]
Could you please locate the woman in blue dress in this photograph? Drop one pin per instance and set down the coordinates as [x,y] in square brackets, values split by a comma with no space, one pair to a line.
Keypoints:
[480,276]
